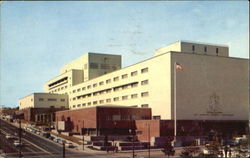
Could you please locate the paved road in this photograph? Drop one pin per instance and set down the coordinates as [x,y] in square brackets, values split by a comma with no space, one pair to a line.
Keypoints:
[34,145]
[40,147]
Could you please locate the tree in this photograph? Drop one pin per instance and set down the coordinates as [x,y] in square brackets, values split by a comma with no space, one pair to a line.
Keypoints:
[168,150]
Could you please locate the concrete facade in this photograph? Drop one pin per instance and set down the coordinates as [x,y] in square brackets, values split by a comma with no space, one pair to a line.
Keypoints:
[211,86]
[43,100]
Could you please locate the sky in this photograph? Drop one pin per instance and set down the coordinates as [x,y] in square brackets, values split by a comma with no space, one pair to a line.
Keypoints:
[37,38]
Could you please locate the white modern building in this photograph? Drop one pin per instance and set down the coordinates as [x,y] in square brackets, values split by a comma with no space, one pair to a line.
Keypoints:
[210,85]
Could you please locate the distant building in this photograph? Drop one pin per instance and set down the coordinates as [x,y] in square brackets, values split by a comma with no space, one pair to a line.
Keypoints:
[41,107]
[44,100]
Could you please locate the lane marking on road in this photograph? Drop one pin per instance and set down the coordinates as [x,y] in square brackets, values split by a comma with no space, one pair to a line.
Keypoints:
[36,146]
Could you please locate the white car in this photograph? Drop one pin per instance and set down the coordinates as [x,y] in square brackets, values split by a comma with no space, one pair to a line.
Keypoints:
[17,143]
[9,136]
[69,145]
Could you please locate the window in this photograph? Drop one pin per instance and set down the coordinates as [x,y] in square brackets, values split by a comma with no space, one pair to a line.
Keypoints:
[101,101]
[125,117]
[62,100]
[193,48]
[94,102]
[144,94]
[74,91]
[74,98]
[41,99]
[144,105]
[108,90]
[84,104]
[116,89]
[62,87]
[145,82]
[144,70]
[78,90]
[134,96]
[105,66]
[108,117]
[51,99]
[95,93]
[89,103]
[116,78]
[95,85]
[89,95]
[124,76]
[78,105]
[125,87]
[93,65]
[101,83]
[83,88]
[124,97]
[74,106]
[157,117]
[134,73]
[108,81]
[217,51]
[116,98]
[108,100]
[205,49]
[89,86]
[134,84]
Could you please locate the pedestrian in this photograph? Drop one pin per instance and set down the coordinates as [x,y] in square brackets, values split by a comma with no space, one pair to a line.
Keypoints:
[226,150]
[230,152]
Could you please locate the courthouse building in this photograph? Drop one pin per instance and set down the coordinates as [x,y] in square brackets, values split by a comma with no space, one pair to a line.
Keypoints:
[210,86]
[196,82]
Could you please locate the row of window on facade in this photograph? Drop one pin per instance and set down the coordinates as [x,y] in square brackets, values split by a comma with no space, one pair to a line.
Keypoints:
[124,117]
[205,49]
[51,99]
[124,76]
[115,99]
[109,90]
[60,88]
[100,66]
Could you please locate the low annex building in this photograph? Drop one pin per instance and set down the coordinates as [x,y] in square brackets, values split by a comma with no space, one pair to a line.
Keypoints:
[41,107]
[101,120]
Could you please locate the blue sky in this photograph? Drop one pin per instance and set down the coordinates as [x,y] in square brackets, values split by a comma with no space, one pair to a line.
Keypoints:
[37,38]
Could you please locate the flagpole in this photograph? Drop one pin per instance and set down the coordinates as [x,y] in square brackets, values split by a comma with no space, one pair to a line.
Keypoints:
[175,119]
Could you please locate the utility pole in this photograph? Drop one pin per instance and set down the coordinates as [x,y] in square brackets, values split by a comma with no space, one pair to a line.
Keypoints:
[149,140]
[133,144]
[63,150]
[20,139]
[83,135]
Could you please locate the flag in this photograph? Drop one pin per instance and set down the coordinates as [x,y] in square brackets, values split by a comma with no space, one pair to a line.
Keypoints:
[178,67]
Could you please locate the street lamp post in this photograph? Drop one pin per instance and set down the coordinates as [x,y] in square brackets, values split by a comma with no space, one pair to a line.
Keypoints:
[133,141]
[83,135]
[63,150]
[20,139]
[149,140]
[175,119]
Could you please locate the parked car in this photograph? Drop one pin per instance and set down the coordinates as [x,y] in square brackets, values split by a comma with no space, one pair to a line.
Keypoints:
[46,134]
[52,137]
[56,140]
[9,136]
[17,143]
[69,145]
[60,141]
